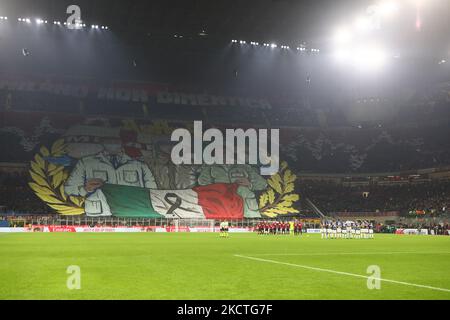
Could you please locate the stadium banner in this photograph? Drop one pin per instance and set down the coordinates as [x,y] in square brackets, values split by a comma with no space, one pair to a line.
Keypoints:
[11,230]
[313,230]
[412,231]
[52,228]
[238,230]
[123,229]
[215,201]
[125,91]
[110,167]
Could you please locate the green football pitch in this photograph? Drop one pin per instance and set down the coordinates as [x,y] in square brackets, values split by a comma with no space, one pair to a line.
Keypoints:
[204,266]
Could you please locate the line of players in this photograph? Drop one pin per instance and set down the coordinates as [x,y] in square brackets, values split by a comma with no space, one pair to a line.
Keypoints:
[279,227]
[346,230]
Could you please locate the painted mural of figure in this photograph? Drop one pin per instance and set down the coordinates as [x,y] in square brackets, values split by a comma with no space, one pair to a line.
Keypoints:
[112,165]
[83,140]
[246,176]
[169,176]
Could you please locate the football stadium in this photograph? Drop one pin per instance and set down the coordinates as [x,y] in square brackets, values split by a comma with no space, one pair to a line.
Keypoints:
[224,150]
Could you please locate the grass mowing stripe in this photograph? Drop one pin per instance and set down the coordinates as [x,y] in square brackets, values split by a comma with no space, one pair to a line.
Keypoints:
[342,273]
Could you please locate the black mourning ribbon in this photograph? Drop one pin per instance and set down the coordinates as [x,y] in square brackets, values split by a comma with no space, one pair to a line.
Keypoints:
[174,205]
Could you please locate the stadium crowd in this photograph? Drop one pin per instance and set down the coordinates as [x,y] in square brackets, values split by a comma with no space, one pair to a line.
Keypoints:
[16,197]
[431,198]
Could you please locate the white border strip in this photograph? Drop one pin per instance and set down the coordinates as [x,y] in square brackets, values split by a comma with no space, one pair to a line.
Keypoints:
[345,253]
[342,273]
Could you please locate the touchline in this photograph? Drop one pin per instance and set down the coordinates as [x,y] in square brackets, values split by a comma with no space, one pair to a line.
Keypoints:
[234,143]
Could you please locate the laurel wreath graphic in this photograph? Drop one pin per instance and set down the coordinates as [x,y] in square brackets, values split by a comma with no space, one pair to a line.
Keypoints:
[278,197]
[48,181]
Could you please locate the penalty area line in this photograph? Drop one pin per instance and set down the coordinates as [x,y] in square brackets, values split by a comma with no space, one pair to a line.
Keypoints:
[342,273]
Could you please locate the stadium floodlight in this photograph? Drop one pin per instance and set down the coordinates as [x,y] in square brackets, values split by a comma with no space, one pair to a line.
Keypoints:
[387,8]
[363,24]
[39,21]
[273,45]
[369,58]
[342,36]
[343,55]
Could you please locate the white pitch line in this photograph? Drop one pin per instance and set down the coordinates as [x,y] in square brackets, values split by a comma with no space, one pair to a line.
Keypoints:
[342,273]
[344,253]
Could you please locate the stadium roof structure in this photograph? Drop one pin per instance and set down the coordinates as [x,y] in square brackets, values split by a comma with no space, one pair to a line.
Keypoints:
[285,22]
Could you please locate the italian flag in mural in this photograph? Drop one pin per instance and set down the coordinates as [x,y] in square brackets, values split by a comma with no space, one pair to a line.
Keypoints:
[214,201]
